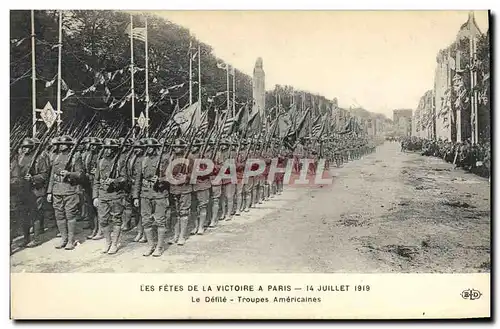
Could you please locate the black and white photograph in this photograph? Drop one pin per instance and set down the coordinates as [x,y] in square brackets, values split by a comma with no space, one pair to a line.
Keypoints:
[251,142]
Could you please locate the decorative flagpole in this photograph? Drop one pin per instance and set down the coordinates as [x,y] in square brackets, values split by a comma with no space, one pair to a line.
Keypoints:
[190,73]
[234,92]
[473,80]
[199,75]
[59,75]
[33,71]
[147,79]
[132,67]
[227,83]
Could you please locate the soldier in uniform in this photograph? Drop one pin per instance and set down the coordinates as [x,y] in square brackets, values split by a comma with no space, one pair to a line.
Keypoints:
[90,158]
[64,191]
[227,187]
[216,184]
[35,191]
[108,195]
[134,167]
[249,184]
[48,218]
[201,192]
[258,190]
[282,165]
[240,169]
[125,156]
[150,191]
[181,192]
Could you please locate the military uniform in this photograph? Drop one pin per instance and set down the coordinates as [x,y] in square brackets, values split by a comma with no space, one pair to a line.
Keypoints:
[90,159]
[134,166]
[181,194]
[110,197]
[151,187]
[64,192]
[201,193]
[36,199]
[128,212]
[216,188]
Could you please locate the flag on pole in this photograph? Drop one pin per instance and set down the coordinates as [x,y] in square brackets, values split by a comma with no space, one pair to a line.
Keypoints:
[190,117]
[138,33]
[222,66]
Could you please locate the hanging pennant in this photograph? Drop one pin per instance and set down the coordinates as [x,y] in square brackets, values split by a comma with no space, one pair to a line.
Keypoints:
[68,94]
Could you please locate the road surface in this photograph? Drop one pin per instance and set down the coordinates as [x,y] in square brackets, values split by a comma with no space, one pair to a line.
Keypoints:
[387,212]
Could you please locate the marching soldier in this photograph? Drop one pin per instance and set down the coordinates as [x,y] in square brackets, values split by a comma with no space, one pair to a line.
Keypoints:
[90,158]
[181,192]
[258,190]
[240,168]
[227,187]
[134,167]
[107,195]
[150,191]
[248,185]
[216,184]
[35,191]
[201,192]
[64,190]
[42,205]
[125,156]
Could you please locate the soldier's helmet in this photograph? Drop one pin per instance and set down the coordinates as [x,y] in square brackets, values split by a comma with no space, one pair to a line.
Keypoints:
[28,142]
[66,140]
[178,143]
[54,141]
[127,142]
[110,143]
[95,141]
[139,143]
[151,142]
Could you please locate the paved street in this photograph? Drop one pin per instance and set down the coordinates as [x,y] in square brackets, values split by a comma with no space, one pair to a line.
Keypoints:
[387,212]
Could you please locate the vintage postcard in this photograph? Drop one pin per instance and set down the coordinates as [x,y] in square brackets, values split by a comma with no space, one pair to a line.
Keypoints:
[250,164]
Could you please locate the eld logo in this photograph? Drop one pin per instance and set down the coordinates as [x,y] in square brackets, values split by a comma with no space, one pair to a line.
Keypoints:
[471,294]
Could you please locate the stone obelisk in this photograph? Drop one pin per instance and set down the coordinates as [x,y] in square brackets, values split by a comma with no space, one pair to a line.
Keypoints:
[259,88]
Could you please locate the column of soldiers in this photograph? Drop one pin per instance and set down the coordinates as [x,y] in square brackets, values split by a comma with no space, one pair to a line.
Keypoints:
[114,185]
[475,158]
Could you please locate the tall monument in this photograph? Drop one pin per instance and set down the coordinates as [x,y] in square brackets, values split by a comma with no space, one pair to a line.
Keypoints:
[259,88]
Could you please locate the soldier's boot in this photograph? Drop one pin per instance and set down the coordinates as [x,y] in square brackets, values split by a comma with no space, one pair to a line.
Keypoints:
[239,203]
[100,234]
[115,239]
[71,235]
[160,246]
[106,231]
[183,228]
[95,228]
[177,229]
[202,220]
[194,230]
[260,194]
[215,214]
[247,201]
[63,229]
[140,232]
[36,231]
[150,236]
[127,219]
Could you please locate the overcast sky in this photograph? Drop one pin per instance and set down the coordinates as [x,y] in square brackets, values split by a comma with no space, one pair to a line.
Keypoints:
[376,59]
